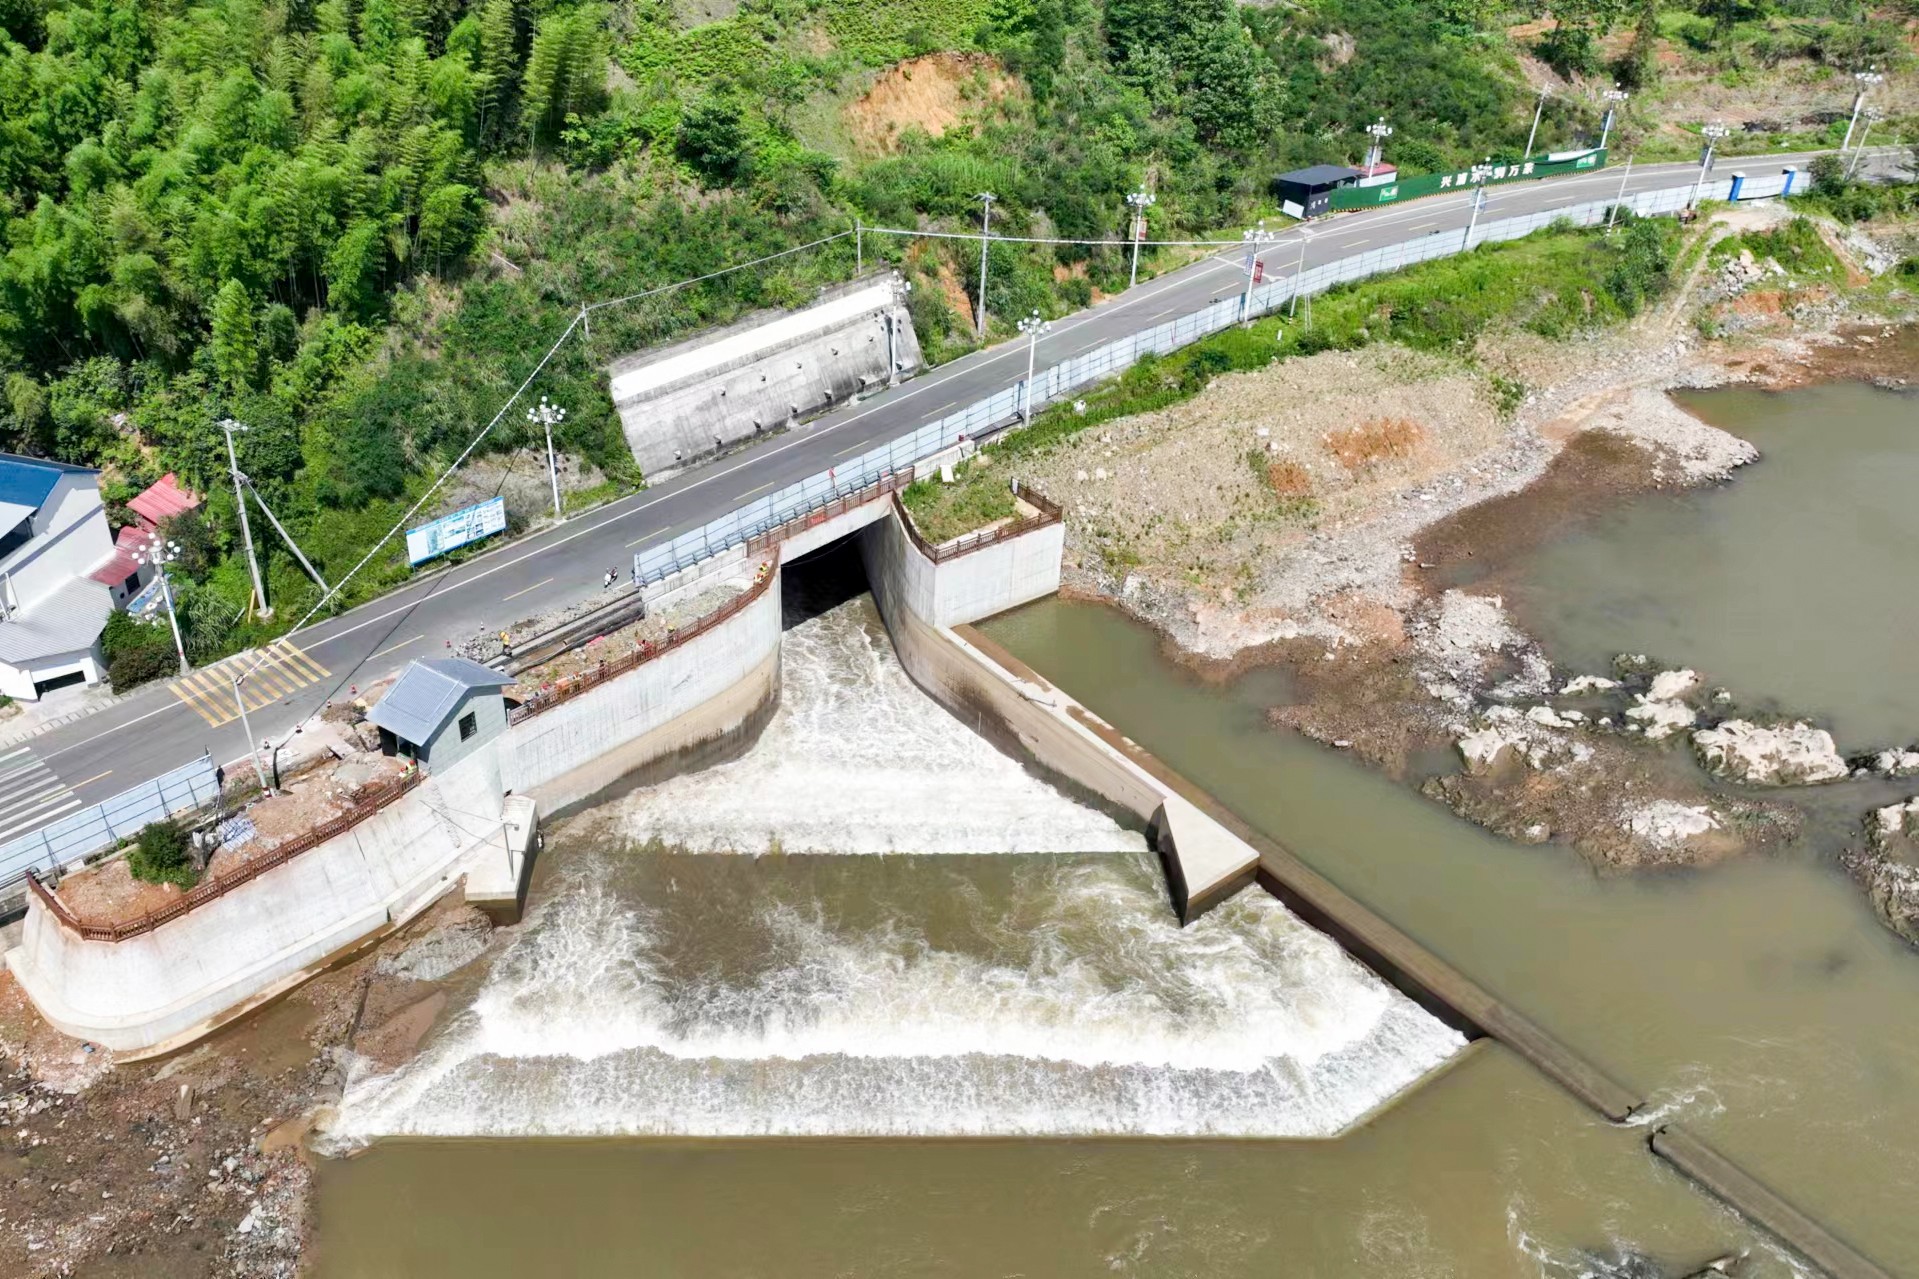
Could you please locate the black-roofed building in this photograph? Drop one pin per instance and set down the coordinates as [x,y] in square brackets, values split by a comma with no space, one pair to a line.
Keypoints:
[1308,192]
[440,711]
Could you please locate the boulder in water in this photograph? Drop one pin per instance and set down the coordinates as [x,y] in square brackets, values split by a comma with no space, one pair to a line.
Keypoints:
[1793,754]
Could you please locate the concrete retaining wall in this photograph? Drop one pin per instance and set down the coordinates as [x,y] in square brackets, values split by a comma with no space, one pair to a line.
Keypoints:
[770,371]
[704,689]
[196,972]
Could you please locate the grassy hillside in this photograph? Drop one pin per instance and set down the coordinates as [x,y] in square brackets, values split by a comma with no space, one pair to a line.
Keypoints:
[354,224]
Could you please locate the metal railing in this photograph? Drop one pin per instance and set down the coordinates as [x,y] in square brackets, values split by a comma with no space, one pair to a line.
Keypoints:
[370,802]
[753,522]
[565,690]
[967,543]
[891,483]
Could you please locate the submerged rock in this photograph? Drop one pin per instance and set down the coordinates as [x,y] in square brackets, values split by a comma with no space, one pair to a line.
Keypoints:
[1667,823]
[1896,763]
[1795,754]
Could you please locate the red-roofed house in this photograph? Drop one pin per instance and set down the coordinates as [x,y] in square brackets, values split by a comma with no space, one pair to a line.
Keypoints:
[162,500]
[121,571]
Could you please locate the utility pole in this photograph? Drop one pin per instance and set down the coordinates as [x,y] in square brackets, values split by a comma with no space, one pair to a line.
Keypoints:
[549,416]
[859,249]
[1711,133]
[246,726]
[1141,201]
[1865,79]
[1538,111]
[229,426]
[1614,96]
[1379,131]
[1612,214]
[1032,326]
[1254,239]
[985,199]
[159,552]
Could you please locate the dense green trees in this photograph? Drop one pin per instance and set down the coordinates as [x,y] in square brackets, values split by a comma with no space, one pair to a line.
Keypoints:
[354,224]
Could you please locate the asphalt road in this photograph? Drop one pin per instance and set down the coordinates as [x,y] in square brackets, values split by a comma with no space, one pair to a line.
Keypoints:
[154,731]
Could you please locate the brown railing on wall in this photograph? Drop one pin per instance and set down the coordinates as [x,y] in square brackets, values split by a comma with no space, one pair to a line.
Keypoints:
[545,699]
[838,506]
[1048,514]
[371,802]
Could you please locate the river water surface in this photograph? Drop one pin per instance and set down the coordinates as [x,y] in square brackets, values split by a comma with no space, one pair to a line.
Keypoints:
[666,1002]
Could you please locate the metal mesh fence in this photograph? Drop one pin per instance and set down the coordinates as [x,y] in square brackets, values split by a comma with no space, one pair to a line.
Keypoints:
[1053,384]
[90,830]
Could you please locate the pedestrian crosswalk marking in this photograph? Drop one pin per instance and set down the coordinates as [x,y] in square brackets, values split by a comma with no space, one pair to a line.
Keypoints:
[281,670]
[30,794]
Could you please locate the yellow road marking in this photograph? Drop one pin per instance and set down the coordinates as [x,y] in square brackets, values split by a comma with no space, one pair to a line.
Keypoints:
[516,595]
[282,670]
[402,644]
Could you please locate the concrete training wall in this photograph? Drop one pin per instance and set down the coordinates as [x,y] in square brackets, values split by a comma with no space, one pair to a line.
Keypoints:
[195,972]
[922,601]
[699,690]
[769,371]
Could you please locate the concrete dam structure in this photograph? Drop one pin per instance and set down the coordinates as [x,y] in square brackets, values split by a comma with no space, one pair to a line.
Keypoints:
[765,373]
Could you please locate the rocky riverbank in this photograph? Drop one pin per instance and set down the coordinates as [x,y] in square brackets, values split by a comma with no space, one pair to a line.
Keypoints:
[195,1164]
[1349,516]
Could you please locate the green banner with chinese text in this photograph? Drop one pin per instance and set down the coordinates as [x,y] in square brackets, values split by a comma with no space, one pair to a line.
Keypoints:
[1487,174]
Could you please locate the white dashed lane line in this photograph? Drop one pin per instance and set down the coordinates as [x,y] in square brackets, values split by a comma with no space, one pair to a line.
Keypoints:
[30,794]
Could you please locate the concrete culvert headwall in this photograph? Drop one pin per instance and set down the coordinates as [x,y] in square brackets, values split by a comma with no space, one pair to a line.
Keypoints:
[769,371]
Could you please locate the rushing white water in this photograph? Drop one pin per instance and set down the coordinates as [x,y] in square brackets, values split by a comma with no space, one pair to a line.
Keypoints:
[858,760]
[1069,1001]
[661,993]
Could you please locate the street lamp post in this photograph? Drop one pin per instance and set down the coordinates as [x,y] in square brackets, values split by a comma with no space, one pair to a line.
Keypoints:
[1141,201]
[548,416]
[1612,214]
[229,426]
[1614,96]
[1032,326]
[1254,239]
[1299,277]
[1873,116]
[1711,133]
[1480,173]
[985,199]
[159,552]
[1538,110]
[1865,80]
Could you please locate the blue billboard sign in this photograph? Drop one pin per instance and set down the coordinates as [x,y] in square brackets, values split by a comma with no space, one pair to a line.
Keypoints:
[469,524]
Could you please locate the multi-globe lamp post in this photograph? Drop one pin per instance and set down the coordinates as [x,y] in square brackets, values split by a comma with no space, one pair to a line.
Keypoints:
[1615,100]
[1865,80]
[1255,241]
[1712,133]
[547,416]
[159,552]
[1140,201]
[1032,327]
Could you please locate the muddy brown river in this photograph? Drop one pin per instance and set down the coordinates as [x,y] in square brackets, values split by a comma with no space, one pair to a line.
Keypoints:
[906,1042]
